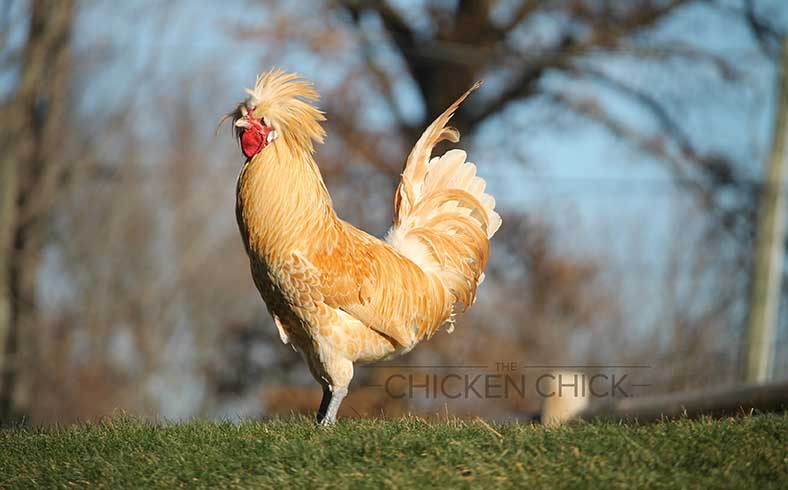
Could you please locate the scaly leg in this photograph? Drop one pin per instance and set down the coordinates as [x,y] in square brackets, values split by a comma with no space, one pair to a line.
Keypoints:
[335,397]
[321,412]
[334,372]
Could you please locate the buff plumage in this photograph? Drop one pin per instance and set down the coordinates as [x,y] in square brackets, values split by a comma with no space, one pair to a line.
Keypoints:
[337,294]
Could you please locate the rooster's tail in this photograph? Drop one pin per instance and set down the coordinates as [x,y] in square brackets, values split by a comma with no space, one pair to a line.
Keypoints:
[443,220]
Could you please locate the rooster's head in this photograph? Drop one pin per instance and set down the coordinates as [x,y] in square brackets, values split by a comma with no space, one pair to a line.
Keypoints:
[254,134]
[279,105]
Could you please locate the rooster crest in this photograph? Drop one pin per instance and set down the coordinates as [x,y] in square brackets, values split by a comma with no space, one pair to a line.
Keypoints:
[284,101]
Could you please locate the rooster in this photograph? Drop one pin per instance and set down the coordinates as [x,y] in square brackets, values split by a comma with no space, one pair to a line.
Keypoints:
[336,293]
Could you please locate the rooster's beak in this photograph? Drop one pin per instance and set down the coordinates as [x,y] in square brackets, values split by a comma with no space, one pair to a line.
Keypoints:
[243,121]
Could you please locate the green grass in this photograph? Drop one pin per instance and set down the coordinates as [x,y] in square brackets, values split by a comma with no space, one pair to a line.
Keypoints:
[747,452]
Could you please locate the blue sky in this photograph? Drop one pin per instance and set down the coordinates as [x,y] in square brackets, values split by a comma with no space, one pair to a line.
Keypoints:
[179,38]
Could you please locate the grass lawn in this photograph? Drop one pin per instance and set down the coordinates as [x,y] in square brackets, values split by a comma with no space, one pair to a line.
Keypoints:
[747,452]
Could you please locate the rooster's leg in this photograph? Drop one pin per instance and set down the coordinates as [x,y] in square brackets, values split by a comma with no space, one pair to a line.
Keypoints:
[321,412]
[329,406]
[334,372]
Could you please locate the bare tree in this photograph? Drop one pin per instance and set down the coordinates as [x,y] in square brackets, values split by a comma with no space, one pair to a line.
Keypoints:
[31,172]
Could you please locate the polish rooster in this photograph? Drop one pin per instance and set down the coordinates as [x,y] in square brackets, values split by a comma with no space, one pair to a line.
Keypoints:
[336,293]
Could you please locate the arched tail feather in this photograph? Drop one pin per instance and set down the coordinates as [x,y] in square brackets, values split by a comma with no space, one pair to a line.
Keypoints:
[443,220]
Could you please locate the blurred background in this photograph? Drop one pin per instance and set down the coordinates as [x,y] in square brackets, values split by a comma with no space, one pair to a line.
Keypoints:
[626,142]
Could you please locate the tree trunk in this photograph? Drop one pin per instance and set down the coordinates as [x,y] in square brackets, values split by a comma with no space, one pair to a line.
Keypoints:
[30,173]
[9,186]
[770,245]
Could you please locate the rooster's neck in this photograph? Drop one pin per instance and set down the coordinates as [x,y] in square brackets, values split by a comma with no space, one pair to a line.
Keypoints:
[282,202]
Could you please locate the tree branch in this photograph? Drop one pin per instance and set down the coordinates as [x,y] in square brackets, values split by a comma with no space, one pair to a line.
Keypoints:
[568,48]
[713,171]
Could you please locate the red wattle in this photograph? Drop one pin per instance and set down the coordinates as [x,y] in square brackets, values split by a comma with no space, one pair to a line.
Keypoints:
[253,140]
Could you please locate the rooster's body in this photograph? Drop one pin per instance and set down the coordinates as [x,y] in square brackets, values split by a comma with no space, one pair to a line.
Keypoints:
[336,293]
